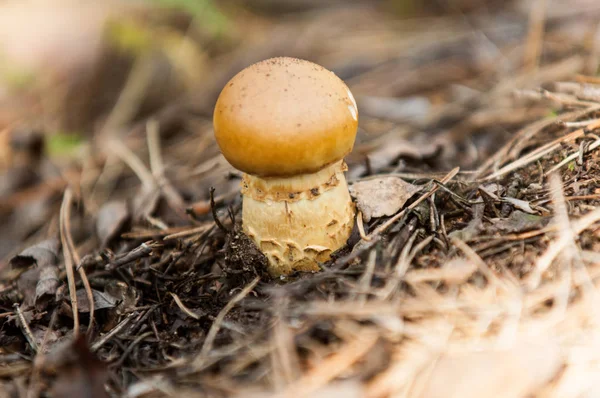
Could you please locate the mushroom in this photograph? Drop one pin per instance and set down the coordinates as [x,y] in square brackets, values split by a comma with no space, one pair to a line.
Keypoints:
[287,124]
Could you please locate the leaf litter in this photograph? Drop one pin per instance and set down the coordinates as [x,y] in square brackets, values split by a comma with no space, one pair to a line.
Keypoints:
[382,196]
[492,265]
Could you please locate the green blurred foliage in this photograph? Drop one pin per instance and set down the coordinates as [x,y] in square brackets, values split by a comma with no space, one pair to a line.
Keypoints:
[63,144]
[129,36]
[139,39]
[204,12]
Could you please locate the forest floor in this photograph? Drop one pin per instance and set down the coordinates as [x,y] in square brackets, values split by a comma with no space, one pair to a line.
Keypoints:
[481,281]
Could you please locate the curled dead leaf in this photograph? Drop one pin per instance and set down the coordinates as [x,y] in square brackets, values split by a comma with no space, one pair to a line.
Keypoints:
[42,254]
[46,287]
[101,300]
[522,205]
[382,196]
[127,296]
[37,259]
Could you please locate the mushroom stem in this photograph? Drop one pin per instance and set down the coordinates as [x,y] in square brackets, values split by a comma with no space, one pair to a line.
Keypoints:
[297,222]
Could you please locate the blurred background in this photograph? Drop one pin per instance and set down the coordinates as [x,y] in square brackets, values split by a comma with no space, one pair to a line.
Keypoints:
[435,82]
[107,149]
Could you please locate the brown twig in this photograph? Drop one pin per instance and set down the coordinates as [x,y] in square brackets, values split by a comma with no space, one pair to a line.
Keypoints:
[25,328]
[157,167]
[533,47]
[182,307]
[65,214]
[542,151]
[213,208]
[143,250]
[214,329]
[114,331]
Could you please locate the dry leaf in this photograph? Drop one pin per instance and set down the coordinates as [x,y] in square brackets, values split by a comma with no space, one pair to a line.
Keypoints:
[101,300]
[474,227]
[45,289]
[520,204]
[42,254]
[27,284]
[519,221]
[127,296]
[37,258]
[382,196]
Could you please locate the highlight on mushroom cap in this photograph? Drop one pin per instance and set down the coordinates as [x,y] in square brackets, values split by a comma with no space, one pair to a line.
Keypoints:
[283,117]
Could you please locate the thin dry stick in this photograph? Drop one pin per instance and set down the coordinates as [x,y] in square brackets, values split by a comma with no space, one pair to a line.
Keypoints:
[361,226]
[408,255]
[474,257]
[573,156]
[157,166]
[130,348]
[132,95]
[153,137]
[542,294]
[349,309]
[581,123]
[535,37]
[25,328]
[455,274]
[65,213]
[525,135]
[214,329]
[570,252]
[70,249]
[134,162]
[567,100]
[102,340]
[521,136]
[333,366]
[105,182]
[541,151]
[399,268]
[365,280]
[188,232]
[183,308]
[542,264]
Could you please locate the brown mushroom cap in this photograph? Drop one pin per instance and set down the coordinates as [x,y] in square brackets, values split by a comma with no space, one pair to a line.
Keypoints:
[284,117]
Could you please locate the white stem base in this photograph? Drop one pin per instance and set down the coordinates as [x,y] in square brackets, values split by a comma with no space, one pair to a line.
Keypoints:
[298,222]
